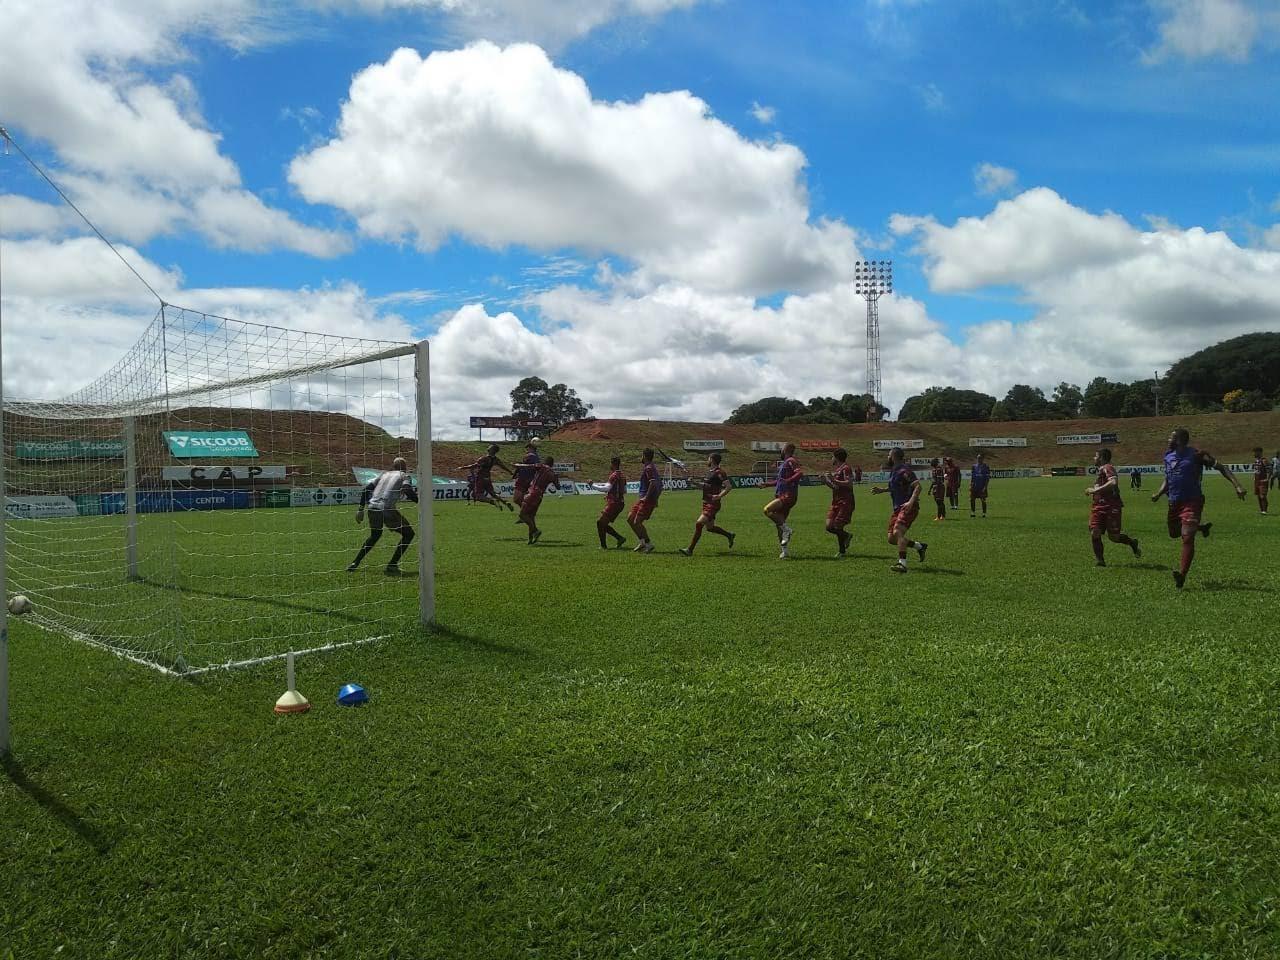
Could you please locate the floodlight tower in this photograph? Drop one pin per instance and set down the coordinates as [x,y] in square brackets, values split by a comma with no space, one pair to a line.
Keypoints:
[871,280]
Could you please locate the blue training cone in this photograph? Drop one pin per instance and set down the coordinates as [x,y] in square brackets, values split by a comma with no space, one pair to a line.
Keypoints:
[352,695]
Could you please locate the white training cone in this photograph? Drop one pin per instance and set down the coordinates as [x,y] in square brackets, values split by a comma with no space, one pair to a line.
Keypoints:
[291,701]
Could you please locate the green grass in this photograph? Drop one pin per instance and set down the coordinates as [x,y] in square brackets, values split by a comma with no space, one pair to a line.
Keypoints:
[1005,753]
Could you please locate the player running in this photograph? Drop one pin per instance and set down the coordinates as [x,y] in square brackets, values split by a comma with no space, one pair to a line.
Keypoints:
[481,477]
[938,489]
[524,471]
[785,492]
[1183,470]
[381,494]
[642,509]
[1261,478]
[543,477]
[715,487]
[1105,514]
[953,482]
[979,480]
[1135,479]
[904,490]
[840,480]
[613,498]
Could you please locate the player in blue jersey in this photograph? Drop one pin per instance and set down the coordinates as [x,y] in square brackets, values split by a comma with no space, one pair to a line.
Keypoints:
[786,490]
[1183,470]
[642,509]
[904,490]
[979,480]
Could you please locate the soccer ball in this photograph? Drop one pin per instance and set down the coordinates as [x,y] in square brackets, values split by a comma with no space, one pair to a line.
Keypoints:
[19,604]
[535,441]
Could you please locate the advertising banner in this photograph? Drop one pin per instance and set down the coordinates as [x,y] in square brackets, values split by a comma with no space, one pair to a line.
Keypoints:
[112,449]
[209,443]
[1018,474]
[180,500]
[188,474]
[709,446]
[276,498]
[997,441]
[324,496]
[890,444]
[88,504]
[39,507]
[755,483]
[508,423]
[1086,438]
[1066,471]
[568,466]
[767,446]
[819,444]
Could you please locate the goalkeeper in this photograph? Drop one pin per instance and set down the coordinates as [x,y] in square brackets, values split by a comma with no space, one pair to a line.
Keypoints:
[381,496]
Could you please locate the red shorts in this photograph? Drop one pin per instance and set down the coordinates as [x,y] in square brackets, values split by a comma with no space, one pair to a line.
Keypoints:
[611,510]
[904,517]
[788,500]
[520,490]
[710,508]
[484,488]
[1105,516]
[840,514]
[642,510]
[1259,487]
[1184,513]
[530,504]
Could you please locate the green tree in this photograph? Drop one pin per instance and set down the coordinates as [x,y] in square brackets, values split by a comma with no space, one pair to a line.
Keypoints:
[1023,402]
[1068,399]
[767,410]
[1104,398]
[1250,362]
[1246,401]
[819,416]
[557,403]
[939,404]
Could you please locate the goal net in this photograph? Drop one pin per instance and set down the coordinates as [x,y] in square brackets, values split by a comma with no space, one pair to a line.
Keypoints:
[194,507]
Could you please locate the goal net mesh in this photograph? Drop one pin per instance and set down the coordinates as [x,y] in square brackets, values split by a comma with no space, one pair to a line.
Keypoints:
[194,506]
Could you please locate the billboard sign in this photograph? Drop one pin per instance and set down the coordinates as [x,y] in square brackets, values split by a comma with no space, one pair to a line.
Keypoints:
[210,443]
[508,423]
[819,444]
[704,445]
[766,446]
[903,444]
[205,474]
[997,441]
[1087,438]
[112,449]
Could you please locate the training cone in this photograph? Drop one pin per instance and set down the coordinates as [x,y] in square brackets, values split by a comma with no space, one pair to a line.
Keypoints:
[291,701]
[352,695]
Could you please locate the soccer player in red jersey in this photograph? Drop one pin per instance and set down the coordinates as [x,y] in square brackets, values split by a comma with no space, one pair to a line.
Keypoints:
[543,476]
[904,490]
[642,509]
[481,475]
[1183,469]
[715,487]
[785,491]
[612,504]
[953,482]
[1261,477]
[1107,509]
[840,480]
[937,489]
[524,473]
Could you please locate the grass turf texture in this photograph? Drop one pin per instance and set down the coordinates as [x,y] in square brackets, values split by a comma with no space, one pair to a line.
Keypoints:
[1007,752]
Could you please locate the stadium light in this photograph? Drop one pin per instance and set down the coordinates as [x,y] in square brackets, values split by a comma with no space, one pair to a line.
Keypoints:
[872,279]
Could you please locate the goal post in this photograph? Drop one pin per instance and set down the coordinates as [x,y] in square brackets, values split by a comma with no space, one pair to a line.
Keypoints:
[193,508]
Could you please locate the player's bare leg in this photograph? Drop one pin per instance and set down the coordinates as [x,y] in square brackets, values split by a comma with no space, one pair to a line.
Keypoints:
[904,543]
[777,511]
[638,527]
[842,538]
[604,529]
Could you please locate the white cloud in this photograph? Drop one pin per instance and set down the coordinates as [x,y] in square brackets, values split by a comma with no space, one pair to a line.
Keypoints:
[499,146]
[98,83]
[763,114]
[547,22]
[1203,29]
[932,97]
[1111,299]
[990,179]
[21,216]
[1271,237]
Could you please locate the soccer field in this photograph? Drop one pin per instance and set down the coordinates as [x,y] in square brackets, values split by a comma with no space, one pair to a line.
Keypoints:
[1007,752]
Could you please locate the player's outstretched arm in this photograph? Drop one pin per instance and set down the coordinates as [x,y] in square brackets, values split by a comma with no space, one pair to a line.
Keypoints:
[1223,469]
[1164,486]
[879,490]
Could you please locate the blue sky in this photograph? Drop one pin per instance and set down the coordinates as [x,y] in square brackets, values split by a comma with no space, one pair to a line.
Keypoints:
[1067,189]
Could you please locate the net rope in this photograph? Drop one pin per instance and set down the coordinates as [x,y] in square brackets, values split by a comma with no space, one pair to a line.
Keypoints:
[232,565]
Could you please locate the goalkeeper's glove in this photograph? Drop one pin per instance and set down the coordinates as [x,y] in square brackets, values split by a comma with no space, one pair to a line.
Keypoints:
[360,516]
